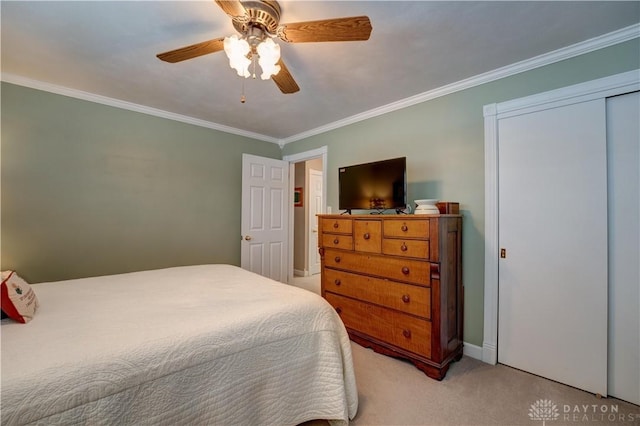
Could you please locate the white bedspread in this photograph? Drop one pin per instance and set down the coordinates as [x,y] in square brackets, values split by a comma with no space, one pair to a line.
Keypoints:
[210,344]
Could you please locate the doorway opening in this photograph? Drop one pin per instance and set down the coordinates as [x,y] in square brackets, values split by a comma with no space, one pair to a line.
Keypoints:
[308,182]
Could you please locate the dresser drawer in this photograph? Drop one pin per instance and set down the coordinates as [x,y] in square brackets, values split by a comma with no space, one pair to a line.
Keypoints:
[412,299]
[400,228]
[337,226]
[397,269]
[344,242]
[410,248]
[401,330]
[367,236]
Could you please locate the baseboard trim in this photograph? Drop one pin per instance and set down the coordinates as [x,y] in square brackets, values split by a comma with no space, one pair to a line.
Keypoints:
[300,273]
[472,351]
[489,353]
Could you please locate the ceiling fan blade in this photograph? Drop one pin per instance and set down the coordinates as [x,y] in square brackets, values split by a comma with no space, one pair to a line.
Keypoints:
[284,80]
[193,51]
[340,29]
[233,8]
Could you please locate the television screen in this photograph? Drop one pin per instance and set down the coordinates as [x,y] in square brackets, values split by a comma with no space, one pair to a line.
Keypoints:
[378,186]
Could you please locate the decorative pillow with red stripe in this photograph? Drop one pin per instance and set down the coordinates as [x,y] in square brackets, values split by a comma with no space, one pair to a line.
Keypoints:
[19,301]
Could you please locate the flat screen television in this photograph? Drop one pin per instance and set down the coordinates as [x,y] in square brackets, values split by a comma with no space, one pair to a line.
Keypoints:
[379,186]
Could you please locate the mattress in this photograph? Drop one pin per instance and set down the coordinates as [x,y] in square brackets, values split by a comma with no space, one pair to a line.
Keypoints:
[207,344]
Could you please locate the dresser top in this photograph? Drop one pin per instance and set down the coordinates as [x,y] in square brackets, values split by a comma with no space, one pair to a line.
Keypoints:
[387,216]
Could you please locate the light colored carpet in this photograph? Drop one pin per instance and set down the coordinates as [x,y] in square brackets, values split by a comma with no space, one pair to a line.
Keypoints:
[393,392]
[311,283]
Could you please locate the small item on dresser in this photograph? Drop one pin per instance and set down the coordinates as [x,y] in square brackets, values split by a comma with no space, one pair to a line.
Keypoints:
[426,207]
[447,207]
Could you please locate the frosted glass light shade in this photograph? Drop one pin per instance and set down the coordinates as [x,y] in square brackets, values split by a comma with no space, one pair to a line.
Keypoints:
[237,51]
[269,55]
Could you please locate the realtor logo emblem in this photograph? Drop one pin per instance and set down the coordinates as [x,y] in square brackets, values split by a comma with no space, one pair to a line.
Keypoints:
[543,410]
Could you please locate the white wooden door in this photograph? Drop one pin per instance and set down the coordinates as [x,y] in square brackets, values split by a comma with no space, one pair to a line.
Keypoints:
[623,140]
[553,229]
[315,207]
[265,216]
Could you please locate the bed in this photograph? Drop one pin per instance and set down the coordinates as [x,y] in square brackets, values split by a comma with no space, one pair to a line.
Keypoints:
[207,344]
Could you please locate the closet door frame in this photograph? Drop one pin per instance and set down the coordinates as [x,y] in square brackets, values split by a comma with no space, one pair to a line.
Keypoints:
[596,89]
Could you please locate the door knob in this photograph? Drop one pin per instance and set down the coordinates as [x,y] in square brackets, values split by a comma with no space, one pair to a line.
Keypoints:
[247,238]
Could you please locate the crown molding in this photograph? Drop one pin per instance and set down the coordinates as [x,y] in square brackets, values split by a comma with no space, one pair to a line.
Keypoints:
[603,87]
[91,97]
[596,43]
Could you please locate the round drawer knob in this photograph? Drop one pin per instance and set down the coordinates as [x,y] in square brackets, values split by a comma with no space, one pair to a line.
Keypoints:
[336,241]
[337,259]
[404,228]
[406,333]
[335,225]
[405,270]
[406,298]
[403,247]
[366,236]
[337,281]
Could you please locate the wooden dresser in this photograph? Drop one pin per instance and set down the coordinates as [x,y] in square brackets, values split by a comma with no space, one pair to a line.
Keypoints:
[396,282]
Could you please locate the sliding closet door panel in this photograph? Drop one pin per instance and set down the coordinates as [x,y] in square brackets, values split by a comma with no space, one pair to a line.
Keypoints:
[553,229]
[623,140]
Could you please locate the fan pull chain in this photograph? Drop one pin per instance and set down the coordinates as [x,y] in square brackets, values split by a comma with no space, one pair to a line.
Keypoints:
[243,99]
[253,64]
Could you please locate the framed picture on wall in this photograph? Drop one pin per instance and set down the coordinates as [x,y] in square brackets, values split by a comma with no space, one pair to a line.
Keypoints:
[297,197]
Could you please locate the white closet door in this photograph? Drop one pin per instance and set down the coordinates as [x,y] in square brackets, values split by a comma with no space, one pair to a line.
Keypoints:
[553,227]
[623,140]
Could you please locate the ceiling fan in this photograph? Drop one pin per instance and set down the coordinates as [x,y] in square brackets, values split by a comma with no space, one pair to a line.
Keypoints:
[258,22]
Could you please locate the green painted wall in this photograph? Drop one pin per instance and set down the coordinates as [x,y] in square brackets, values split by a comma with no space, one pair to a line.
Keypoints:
[443,140]
[89,189]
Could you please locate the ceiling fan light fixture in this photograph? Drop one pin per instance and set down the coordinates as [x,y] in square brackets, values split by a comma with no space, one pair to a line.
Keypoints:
[237,50]
[257,21]
[240,53]
[268,57]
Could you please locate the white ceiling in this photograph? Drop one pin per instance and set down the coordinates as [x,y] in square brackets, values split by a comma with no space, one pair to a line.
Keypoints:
[109,49]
